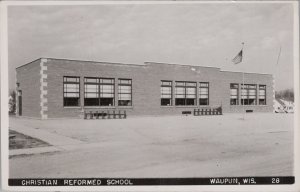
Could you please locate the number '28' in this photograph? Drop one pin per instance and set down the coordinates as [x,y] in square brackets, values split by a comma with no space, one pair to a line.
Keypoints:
[275,180]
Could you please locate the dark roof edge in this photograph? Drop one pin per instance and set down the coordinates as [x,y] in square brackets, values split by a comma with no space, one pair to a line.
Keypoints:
[29,62]
[96,62]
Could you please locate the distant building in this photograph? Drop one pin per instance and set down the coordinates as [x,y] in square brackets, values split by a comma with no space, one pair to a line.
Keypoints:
[283,106]
[288,106]
[59,88]
[278,106]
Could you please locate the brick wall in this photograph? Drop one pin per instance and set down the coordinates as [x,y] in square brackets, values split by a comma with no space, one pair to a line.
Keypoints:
[59,68]
[249,78]
[28,77]
[41,82]
[146,86]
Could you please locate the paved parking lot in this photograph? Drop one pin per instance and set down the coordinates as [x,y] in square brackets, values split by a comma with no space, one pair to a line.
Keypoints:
[170,146]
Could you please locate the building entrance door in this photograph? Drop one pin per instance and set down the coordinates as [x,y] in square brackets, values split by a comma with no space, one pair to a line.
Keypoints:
[20,102]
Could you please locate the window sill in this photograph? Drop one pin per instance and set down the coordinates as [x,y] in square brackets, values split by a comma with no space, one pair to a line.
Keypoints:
[166,106]
[99,107]
[107,107]
[248,105]
[186,106]
[125,107]
[72,107]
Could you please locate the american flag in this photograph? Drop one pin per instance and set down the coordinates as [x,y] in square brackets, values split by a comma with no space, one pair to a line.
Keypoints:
[238,58]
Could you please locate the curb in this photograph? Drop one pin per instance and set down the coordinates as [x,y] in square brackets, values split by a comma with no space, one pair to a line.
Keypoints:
[31,151]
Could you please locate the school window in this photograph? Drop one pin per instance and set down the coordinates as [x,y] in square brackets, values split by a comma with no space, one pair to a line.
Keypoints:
[125,92]
[166,93]
[71,91]
[185,93]
[91,92]
[248,94]
[204,93]
[107,92]
[234,94]
[262,95]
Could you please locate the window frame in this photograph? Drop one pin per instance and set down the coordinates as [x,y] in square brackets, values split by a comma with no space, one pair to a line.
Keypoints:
[265,95]
[98,92]
[99,83]
[161,93]
[71,82]
[248,88]
[237,93]
[200,94]
[185,86]
[120,84]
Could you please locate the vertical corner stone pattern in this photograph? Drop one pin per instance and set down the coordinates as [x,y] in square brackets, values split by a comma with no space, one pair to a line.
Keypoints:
[43,89]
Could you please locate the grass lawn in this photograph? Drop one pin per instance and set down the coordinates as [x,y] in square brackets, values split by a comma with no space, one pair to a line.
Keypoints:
[20,141]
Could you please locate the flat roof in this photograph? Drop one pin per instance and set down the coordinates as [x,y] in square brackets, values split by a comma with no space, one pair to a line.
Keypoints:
[159,63]
[246,72]
[86,61]
[139,65]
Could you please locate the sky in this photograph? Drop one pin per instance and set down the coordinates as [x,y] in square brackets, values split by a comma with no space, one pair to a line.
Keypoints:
[191,34]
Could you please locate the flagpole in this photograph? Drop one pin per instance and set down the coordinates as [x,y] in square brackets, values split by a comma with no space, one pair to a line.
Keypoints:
[276,67]
[236,60]
[278,55]
[275,74]
[243,99]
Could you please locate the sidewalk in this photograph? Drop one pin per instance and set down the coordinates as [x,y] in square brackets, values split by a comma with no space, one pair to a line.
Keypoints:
[50,138]
[58,142]
[30,151]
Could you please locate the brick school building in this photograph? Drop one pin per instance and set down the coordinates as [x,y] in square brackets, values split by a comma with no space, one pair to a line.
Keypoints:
[60,88]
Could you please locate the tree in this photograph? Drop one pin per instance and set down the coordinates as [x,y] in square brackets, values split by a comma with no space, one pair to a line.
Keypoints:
[12,102]
[287,94]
